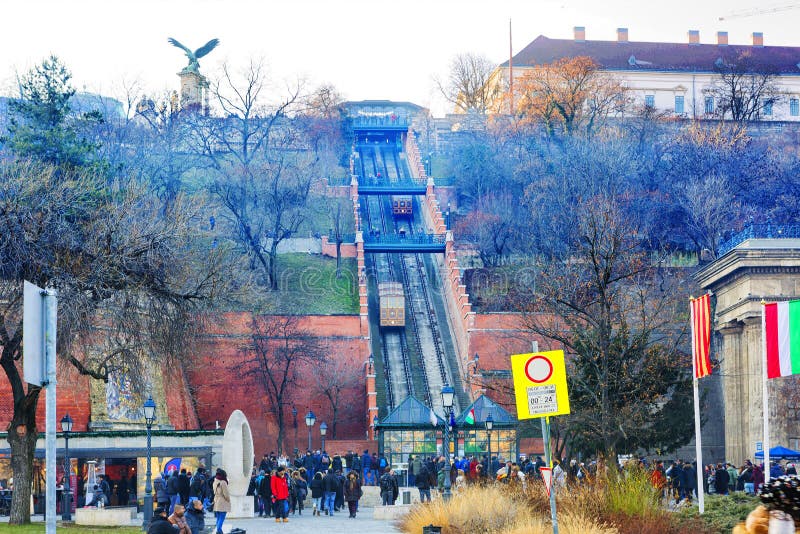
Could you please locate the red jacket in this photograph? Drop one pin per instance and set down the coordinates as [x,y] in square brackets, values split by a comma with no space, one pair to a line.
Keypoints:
[280,488]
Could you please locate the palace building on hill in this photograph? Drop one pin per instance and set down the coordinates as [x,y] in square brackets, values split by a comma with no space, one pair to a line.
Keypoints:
[673,77]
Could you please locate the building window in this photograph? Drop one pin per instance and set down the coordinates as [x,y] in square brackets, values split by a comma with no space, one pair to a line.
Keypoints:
[794,107]
[768,108]
[650,101]
[678,103]
[709,105]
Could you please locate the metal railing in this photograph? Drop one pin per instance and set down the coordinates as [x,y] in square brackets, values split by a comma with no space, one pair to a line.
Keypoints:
[759,231]
[399,239]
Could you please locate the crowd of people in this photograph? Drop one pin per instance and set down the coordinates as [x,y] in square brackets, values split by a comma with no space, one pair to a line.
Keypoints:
[679,479]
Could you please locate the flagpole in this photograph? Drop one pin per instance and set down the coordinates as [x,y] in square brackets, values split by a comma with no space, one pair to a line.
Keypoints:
[697,439]
[765,394]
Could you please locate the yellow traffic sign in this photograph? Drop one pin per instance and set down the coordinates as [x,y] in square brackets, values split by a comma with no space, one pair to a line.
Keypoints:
[540,384]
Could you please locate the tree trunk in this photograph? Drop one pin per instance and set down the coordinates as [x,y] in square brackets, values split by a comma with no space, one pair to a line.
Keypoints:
[273,266]
[22,434]
[281,430]
[338,258]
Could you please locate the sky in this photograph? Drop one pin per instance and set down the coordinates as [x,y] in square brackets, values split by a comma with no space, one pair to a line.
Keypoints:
[366,49]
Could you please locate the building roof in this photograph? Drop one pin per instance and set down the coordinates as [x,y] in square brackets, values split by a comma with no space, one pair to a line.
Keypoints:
[411,413]
[644,56]
[483,406]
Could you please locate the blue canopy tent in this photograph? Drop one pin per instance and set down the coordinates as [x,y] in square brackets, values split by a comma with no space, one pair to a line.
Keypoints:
[780,452]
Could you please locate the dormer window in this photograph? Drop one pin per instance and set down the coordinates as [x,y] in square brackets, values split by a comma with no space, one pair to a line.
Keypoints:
[650,101]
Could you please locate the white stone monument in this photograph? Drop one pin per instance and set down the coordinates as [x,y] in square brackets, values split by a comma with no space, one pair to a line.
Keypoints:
[237,461]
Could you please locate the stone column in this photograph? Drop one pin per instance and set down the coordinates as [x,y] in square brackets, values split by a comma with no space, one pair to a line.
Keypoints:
[735,422]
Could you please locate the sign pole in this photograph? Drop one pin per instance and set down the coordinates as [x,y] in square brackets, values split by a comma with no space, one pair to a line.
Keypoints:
[49,308]
[548,458]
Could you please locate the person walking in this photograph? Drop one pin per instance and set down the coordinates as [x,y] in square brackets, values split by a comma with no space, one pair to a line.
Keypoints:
[280,492]
[300,492]
[264,492]
[330,483]
[184,484]
[366,465]
[387,485]
[352,493]
[172,491]
[222,498]
[317,493]
[197,485]
[423,481]
[160,487]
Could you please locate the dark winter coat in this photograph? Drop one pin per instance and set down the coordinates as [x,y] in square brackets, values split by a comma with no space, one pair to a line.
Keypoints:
[183,487]
[197,486]
[264,487]
[721,480]
[172,485]
[330,483]
[317,488]
[195,519]
[423,478]
[161,490]
[160,525]
[352,490]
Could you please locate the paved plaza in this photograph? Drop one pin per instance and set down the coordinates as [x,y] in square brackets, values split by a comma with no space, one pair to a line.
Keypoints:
[338,524]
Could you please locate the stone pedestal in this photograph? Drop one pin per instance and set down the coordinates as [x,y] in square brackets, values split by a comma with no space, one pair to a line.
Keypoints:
[242,506]
[194,91]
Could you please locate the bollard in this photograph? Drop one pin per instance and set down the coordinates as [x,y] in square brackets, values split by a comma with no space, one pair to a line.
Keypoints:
[430,529]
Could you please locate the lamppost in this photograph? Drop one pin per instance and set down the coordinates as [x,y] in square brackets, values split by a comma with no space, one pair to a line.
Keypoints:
[447,403]
[489,425]
[310,420]
[323,429]
[149,419]
[294,424]
[66,506]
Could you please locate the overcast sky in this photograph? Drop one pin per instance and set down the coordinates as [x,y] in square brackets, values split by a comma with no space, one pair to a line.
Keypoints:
[368,49]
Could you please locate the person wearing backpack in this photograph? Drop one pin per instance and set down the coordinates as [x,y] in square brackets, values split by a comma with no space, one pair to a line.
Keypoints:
[387,485]
[424,479]
[329,486]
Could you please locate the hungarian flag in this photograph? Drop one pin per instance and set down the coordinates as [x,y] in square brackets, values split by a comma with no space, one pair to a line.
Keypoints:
[782,338]
[700,311]
[470,418]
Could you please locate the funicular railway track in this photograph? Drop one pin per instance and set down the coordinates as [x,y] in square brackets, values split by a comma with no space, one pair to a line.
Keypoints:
[430,368]
[396,361]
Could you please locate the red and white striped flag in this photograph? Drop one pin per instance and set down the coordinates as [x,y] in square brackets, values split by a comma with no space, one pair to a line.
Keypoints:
[782,338]
[700,311]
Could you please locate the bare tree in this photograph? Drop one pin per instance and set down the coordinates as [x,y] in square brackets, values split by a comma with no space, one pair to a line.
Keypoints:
[606,304]
[710,209]
[333,379]
[468,85]
[121,266]
[571,95]
[277,348]
[263,167]
[743,88]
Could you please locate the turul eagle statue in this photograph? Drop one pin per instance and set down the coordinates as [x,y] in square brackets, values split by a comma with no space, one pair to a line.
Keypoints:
[193,65]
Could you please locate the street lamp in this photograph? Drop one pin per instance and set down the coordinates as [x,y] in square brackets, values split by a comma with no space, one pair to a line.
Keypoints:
[310,420]
[447,402]
[149,419]
[66,506]
[323,429]
[489,425]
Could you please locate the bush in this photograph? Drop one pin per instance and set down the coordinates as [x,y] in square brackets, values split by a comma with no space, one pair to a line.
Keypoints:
[722,511]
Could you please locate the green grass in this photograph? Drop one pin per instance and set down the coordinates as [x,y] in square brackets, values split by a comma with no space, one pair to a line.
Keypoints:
[37,528]
[307,285]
